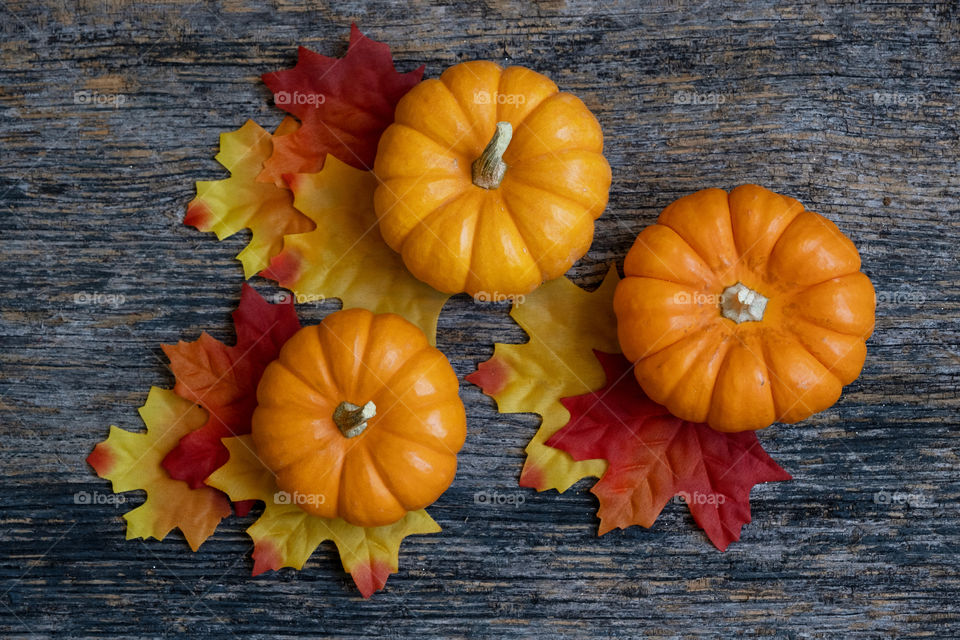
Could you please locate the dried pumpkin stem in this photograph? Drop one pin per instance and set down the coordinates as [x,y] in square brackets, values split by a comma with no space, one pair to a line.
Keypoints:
[351,419]
[489,168]
[740,303]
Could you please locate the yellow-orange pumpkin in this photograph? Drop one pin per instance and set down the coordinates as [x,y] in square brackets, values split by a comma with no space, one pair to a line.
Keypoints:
[360,418]
[742,309]
[490,180]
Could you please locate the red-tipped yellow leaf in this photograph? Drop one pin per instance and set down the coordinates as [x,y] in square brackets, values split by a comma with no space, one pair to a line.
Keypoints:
[227,206]
[565,324]
[286,536]
[346,257]
[132,461]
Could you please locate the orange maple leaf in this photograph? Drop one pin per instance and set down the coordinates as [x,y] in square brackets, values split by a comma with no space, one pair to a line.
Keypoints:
[223,380]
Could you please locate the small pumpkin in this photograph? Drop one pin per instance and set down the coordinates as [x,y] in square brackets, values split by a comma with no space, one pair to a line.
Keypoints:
[360,418]
[742,309]
[490,180]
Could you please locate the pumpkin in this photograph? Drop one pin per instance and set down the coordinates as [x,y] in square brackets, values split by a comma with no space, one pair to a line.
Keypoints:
[742,309]
[490,180]
[360,418]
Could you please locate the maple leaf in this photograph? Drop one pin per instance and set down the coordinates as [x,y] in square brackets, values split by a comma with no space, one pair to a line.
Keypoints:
[565,324]
[344,104]
[132,461]
[227,206]
[345,256]
[223,380]
[653,456]
[285,535]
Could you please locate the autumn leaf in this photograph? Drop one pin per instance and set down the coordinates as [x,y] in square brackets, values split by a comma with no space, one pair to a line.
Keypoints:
[132,461]
[346,257]
[344,105]
[285,535]
[227,206]
[223,380]
[653,456]
[565,324]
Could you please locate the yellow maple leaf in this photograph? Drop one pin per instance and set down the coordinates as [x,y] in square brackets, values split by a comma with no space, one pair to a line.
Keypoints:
[565,325]
[345,256]
[227,206]
[132,461]
[285,535]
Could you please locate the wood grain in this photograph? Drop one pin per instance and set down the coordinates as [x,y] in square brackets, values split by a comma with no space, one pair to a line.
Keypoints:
[851,108]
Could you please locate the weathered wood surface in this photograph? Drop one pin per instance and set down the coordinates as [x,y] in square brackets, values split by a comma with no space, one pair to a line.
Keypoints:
[853,109]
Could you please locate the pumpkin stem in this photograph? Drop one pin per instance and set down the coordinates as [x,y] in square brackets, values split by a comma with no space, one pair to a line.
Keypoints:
[351,419]
[742,304]
[489,168]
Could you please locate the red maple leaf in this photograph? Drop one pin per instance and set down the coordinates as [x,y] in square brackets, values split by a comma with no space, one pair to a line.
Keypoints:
[344,105]
[654,456]
[223,380]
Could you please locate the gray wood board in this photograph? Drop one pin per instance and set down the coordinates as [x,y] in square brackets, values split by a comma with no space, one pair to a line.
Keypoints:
[851,108]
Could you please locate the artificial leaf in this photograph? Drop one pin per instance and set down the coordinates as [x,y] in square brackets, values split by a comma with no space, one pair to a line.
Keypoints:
[565,324]
[223,380]
[346,257]
[132,461]
[344,105]
[653,456]
[285,535]
[227,206]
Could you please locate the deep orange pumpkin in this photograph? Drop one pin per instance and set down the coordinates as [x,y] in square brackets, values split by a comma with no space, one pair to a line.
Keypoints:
[360,418]
[742,309]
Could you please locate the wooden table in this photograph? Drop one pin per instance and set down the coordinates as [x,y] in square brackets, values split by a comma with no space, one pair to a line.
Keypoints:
[853,109]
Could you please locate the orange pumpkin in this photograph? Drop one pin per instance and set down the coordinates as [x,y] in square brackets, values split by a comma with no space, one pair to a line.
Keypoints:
[360,419]
[490,180]
[742,309]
